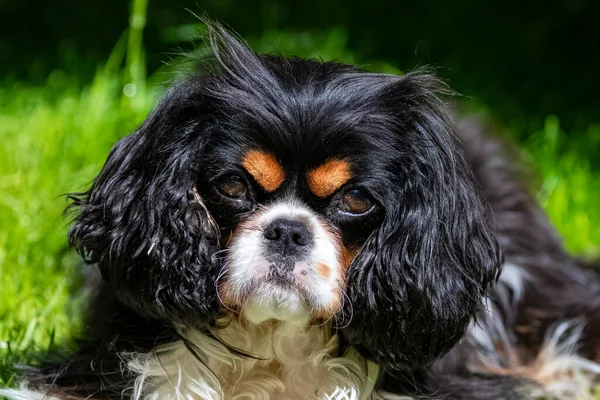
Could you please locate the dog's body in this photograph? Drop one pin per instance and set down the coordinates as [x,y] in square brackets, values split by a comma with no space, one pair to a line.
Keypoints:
[352,255]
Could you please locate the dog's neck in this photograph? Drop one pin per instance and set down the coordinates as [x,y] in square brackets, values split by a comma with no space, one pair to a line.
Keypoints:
[285,361]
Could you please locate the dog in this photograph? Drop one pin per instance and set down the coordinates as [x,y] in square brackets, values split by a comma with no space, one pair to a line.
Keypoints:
[282,228]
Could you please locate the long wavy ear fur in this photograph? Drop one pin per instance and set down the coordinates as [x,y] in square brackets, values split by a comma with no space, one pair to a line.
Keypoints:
[420,279]
[143,224]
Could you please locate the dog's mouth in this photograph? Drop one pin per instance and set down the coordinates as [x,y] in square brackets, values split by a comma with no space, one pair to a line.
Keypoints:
[272,299]
[277,290]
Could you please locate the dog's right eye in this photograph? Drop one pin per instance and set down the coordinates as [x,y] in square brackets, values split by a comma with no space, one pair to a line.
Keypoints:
[232,185]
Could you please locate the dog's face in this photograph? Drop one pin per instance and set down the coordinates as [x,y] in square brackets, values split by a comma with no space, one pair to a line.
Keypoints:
[294,201]
[296,190]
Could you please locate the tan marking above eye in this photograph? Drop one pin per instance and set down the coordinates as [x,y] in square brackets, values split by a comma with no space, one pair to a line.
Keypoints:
[265,169]
[324,180]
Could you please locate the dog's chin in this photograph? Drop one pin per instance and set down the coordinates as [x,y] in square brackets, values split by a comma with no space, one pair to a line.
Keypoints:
[276,301]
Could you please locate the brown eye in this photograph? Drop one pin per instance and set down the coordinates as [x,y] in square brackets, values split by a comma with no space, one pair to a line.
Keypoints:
[233,186]
[356,201]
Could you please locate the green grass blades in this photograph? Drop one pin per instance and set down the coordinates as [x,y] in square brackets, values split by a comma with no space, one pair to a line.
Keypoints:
[569,167]
[54,140]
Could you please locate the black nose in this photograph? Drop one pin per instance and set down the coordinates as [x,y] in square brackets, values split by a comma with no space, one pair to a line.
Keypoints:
[287,235]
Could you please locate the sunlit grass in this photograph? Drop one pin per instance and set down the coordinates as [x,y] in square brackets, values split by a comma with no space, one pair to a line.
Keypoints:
[569,168]
[55,140]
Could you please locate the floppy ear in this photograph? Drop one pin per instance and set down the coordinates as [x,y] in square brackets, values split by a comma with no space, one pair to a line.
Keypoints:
[419,280]
[144,225]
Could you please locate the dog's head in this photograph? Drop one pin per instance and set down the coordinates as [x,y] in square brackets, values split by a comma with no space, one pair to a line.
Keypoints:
[296,190]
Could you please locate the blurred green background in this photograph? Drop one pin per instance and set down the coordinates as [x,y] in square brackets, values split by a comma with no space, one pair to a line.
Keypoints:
[76,76]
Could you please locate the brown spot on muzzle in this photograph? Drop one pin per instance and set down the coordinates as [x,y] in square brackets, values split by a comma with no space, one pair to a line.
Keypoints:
[264,168]
[324,180]
[323,270]
[345,257]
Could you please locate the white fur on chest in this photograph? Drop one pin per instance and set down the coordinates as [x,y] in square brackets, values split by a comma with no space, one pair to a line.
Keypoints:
[291,362]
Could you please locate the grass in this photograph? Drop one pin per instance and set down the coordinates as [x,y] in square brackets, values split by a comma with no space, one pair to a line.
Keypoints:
[569,171]
[56,138]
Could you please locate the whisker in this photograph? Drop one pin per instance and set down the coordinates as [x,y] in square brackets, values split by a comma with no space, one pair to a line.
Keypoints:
[216,253]
[225,305]
[323,323]
[345,295]
[222,273]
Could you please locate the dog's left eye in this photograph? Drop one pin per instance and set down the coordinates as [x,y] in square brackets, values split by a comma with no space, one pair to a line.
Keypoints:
[356,201]
[232,185]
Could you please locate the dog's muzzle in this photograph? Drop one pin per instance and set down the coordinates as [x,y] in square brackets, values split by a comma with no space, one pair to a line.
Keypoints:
[283,262]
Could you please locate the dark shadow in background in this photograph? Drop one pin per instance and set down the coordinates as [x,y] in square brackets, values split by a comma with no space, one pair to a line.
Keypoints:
[524,60]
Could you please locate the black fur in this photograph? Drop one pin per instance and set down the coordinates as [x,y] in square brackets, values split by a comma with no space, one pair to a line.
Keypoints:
[429,252]
[421,276]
